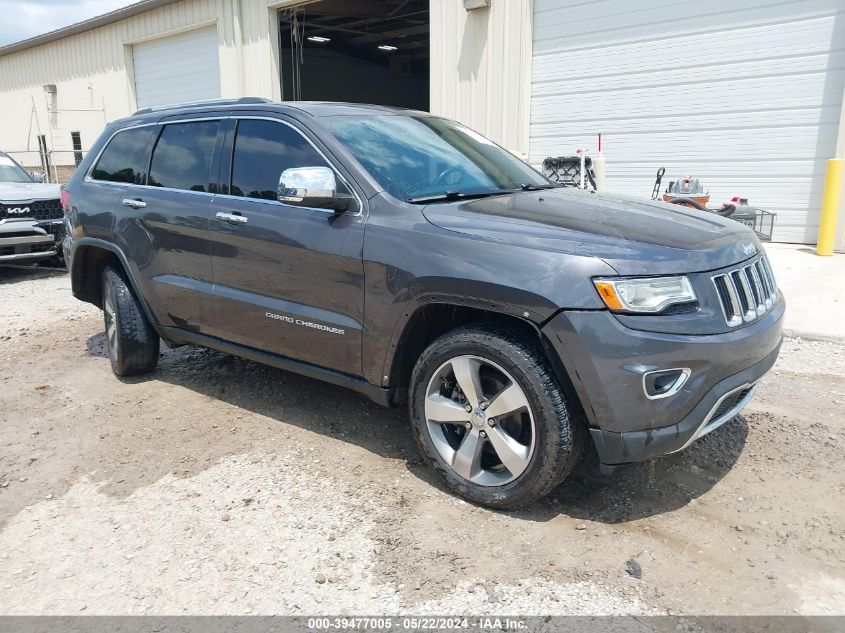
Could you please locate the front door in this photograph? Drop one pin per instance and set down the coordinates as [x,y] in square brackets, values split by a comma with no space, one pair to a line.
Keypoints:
[287,279]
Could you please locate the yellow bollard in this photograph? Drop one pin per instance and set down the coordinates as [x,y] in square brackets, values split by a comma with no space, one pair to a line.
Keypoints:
[830,207]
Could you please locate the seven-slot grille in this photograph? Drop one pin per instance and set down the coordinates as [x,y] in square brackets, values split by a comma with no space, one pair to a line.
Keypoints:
[747,293]
[37,210]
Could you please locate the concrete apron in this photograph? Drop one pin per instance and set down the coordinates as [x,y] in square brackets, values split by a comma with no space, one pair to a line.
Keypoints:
[814,288]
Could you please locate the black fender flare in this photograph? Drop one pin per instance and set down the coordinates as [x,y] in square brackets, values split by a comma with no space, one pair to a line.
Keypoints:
[76,270]
[532,319]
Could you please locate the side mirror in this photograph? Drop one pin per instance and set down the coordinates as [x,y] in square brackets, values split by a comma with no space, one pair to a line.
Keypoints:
[37,176]
[312,187]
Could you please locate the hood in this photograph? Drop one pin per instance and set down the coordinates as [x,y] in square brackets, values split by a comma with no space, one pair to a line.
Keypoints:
[28,191]
[633,235]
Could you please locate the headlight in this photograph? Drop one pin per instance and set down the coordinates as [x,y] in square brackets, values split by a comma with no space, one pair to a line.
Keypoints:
[646,296]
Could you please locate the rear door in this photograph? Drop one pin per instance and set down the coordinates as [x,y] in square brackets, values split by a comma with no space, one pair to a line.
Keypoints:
[122,162]
[163,225]
[288,279]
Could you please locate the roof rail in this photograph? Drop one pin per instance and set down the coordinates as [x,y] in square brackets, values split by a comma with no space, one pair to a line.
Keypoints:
[206,102]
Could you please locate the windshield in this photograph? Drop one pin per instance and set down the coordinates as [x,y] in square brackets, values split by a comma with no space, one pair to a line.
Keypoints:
[416,157]
[10,171]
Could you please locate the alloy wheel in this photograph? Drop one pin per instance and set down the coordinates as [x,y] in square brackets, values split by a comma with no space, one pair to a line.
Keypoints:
[111,324]
[479,420]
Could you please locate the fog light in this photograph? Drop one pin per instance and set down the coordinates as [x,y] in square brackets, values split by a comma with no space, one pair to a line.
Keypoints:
[663,383]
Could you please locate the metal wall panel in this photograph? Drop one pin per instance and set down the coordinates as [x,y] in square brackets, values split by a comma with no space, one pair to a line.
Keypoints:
[745,96]
[481,67]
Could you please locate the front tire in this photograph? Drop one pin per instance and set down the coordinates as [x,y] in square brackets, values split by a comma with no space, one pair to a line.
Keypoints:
[131,341]
[489,416]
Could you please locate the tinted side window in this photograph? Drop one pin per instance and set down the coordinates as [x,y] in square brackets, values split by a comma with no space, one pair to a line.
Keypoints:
[183,155]
[125,157]
[263,150]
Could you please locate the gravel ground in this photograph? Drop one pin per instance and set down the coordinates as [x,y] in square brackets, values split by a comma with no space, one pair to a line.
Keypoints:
[219,486]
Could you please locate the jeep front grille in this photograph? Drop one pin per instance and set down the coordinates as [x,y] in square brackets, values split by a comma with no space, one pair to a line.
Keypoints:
[746,293]
[37,210]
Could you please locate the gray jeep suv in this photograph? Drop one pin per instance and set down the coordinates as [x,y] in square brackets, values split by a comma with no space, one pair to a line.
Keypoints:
[407,257]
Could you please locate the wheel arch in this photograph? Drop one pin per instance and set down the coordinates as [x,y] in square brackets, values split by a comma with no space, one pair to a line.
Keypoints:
[90,258]
[434,318]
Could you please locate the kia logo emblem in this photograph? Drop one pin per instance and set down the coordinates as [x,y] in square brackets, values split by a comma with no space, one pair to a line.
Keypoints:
[18,210]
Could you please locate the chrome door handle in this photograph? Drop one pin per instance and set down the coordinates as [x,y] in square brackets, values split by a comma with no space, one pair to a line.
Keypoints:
[232,218]
[135,204]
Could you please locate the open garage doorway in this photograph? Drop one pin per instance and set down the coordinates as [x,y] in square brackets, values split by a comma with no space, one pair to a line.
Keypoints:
[360,51]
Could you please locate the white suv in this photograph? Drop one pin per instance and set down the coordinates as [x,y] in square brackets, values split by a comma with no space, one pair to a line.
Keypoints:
[31,219]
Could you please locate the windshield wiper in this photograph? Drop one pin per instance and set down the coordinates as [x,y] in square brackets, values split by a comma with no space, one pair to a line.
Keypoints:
[450,196]
[530,187]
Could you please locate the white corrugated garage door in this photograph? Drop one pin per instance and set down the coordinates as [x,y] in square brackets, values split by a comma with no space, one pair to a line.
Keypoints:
[179,68]
[744,95]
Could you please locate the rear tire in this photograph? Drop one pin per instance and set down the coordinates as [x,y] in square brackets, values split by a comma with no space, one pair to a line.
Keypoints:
[131,342]
[517,442]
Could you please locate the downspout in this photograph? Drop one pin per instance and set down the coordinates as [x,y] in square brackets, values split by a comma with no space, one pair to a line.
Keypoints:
[237,24]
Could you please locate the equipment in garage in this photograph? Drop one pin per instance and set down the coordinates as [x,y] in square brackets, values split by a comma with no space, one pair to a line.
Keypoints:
[362,52]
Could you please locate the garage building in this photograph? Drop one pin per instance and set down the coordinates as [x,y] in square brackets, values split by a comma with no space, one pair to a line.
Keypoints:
[748,97]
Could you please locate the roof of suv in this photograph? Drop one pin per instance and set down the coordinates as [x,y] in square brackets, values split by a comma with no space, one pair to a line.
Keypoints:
[333,108]
[313,108]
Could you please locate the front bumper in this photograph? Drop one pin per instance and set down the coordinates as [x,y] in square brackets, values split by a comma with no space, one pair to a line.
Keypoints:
[606,361]
[27,241]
